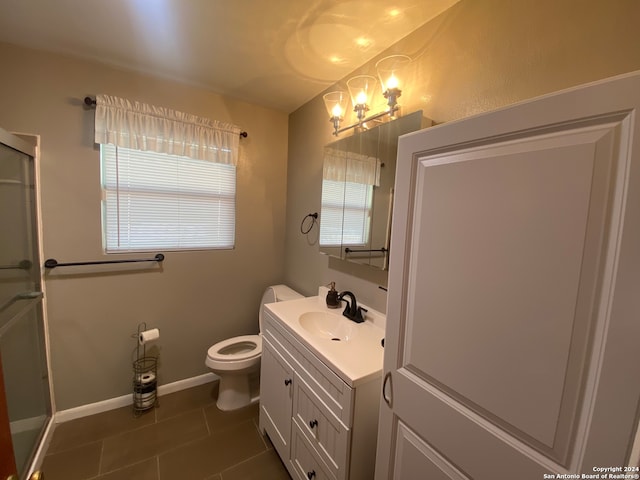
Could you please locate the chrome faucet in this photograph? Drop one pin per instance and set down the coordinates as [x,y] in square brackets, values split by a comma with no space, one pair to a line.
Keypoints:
[352,311]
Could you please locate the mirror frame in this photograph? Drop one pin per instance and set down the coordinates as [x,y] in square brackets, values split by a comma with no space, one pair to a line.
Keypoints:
[371,263]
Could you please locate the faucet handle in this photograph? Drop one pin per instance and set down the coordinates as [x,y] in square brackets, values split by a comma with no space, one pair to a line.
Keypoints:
[359,316]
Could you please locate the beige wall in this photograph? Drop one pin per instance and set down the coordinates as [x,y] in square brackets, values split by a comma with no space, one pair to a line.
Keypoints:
[477,56]
[198,298]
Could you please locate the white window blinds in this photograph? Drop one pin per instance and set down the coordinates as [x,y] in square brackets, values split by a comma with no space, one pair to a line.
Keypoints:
[345,216]
[158,201]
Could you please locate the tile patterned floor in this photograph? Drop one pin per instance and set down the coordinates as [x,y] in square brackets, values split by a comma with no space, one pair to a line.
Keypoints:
[185,438]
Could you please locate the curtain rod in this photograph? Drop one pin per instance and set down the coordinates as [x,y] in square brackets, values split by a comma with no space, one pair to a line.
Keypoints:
[91,102]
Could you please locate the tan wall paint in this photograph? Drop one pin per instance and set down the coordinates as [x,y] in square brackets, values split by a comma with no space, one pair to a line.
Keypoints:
[198,298]
[477,56]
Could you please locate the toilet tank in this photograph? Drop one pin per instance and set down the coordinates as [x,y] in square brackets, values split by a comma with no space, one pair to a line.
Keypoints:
[276,293]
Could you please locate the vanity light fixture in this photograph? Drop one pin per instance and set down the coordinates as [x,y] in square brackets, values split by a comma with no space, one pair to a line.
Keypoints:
[391,71]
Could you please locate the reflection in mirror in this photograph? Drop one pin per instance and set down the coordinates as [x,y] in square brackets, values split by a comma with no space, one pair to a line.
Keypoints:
[357,192]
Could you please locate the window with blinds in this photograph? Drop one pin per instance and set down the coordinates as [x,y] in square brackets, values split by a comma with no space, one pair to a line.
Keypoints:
[159,201]
[345,216]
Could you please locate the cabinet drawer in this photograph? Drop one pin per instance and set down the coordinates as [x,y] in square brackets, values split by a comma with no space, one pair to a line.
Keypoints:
[305,460]
[322,429]
[330,388]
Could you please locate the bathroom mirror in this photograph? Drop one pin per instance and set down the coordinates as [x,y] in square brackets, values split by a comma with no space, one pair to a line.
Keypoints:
[357,192]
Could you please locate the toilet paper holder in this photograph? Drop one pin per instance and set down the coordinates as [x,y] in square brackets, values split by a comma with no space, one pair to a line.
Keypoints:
[145,371]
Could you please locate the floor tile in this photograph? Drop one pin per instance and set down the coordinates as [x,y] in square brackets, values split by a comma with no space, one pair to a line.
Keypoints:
[146,470]
[77,463]
[206,457]
[96,427]
[190,399]
[265,466]
[187,437]
[146,442]
[218,420]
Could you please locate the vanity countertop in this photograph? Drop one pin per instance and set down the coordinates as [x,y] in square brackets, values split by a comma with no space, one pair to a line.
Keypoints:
[356,360]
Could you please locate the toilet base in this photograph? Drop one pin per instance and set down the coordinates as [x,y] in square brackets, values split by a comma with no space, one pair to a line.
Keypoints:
[234,392]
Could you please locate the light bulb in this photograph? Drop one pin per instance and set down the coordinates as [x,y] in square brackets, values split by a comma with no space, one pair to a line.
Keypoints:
[336,111]
[361,98]
[392,82]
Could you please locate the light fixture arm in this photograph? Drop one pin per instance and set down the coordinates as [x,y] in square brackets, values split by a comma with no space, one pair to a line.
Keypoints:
[391,111]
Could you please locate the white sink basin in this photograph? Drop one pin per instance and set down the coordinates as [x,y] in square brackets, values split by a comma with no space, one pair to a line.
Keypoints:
[328,326]
[356,354]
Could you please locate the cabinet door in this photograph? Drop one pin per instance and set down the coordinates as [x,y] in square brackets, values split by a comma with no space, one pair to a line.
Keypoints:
[276,398]
[512,328]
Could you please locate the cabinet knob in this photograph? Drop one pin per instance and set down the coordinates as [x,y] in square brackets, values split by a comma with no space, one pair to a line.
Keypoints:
[287,382]
[313,423]
[311,474]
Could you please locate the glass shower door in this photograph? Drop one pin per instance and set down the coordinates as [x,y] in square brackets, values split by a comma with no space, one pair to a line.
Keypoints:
[22,344]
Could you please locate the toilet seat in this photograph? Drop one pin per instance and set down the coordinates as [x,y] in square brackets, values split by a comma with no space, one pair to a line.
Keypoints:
[236,349]
[234,360]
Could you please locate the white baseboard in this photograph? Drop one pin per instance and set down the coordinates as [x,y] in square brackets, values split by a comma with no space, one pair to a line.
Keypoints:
[113,403]
[27,424]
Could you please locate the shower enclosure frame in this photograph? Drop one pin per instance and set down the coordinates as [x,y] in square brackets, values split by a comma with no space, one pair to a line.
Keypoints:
[23,326]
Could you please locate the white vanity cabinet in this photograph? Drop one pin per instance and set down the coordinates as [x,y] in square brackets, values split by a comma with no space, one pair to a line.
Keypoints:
[322,427]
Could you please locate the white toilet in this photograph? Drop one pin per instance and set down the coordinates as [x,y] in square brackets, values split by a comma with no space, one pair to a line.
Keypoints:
[234,359]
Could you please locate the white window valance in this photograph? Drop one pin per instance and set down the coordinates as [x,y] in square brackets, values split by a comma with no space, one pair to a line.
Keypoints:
[145,127]
[343,166]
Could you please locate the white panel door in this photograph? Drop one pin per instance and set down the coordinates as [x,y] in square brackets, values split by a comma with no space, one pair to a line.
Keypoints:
[513,319]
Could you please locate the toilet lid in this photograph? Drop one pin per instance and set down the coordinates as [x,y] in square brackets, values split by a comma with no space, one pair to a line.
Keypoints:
[236,348]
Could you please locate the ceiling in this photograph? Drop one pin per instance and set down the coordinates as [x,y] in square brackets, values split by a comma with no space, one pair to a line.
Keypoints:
[276,53]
